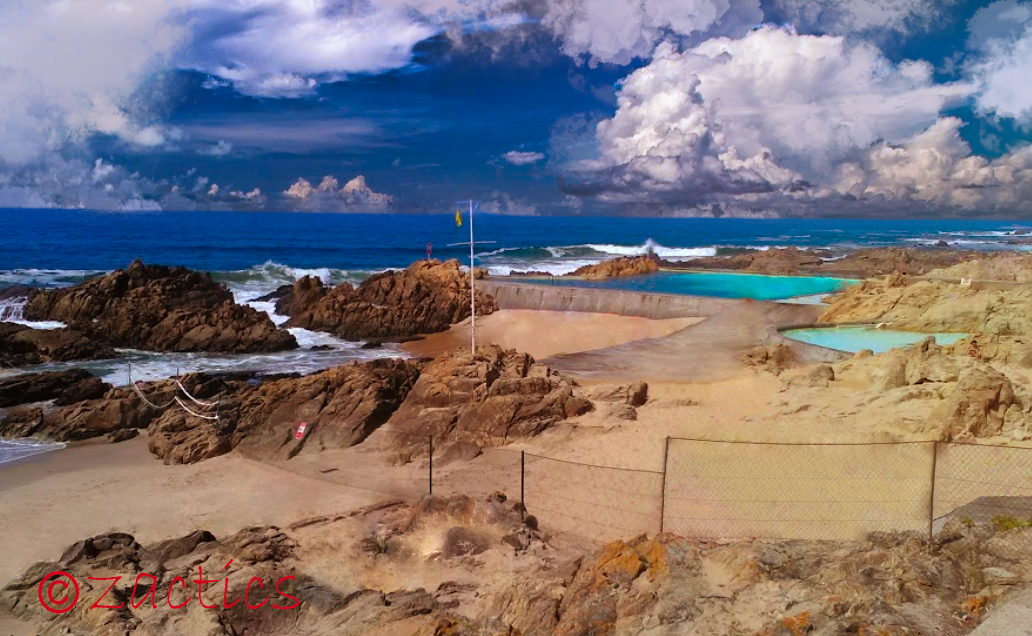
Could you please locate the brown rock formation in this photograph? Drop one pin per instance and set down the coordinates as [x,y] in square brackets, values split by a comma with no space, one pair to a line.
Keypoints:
[118,409]
[774,358]
[623,266]
[427,297]
[342,406]
[891,583]
[789,260]
[21,346]
[863,263]
[933,306]
[160,308]
[488,399]
[67,387]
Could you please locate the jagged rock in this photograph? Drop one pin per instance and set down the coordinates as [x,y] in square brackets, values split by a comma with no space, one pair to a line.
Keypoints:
[341,406]
[788,260]
[820,375]
[66,387]
[118,409]
[160,308]
[617,267]
[21,346]
[978,403]
[427,297]
[487,399]
[934,306]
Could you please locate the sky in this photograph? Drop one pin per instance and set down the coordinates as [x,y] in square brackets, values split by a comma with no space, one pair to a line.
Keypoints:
[750,108]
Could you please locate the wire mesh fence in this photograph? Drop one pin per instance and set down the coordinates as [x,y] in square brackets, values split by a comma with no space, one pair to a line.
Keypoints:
[982,483]
[593,502]
[730,490]
[710,490]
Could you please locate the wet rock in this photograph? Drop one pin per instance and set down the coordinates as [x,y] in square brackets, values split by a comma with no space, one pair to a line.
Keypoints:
[67,387]
[428,297]
[21,346]
[119,409]
[159,308]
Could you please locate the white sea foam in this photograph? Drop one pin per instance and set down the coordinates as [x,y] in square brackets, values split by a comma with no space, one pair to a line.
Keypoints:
[13,449]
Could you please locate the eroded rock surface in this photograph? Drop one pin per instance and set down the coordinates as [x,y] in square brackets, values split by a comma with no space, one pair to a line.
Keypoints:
[616,267]
[66,387]
[160,308]
[427,297]
[488,399]
[22,346]
[341,407]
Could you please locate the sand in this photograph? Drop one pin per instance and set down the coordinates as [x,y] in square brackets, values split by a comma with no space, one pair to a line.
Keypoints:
[543,334]
[52,500]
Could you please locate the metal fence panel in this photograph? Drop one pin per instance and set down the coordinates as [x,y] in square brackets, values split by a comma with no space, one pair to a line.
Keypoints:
[731,490]
[595,503]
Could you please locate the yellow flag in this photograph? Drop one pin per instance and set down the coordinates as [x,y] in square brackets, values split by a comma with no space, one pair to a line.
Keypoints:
[458,218]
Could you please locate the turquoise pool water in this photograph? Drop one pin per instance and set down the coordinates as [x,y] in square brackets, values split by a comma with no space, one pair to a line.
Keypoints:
[718,284]
[857,338]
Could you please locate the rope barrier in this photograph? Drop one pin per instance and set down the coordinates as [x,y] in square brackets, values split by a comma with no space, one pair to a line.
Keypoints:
[175,399]
[192,398]
[203,417]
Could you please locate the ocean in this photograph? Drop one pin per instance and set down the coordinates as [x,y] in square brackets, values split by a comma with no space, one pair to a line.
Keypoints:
[254,253]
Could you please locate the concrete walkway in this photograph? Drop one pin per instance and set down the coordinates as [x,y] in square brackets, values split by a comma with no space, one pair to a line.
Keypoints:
[709,351]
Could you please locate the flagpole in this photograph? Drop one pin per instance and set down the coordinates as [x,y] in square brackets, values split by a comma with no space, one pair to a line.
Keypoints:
[472,283]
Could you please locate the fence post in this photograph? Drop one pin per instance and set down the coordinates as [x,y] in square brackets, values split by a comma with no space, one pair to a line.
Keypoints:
[523,472]
[931,497]
[431,438]
[662,495]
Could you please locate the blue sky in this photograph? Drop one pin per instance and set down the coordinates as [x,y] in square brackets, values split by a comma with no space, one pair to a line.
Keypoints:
[654,107]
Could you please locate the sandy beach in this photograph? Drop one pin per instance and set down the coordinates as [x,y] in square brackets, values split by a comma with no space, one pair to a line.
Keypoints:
[544,334]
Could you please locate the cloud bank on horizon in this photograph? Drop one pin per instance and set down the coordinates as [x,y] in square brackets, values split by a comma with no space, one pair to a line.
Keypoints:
[697,107]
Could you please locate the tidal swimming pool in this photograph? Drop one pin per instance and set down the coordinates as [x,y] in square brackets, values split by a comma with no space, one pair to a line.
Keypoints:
[714,284]
[857,338]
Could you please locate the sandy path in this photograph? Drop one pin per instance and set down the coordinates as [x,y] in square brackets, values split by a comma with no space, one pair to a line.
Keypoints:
[53,500]
[549,333]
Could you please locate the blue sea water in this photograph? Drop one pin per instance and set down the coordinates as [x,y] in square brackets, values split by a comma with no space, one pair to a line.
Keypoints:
[253,253]
[718,284]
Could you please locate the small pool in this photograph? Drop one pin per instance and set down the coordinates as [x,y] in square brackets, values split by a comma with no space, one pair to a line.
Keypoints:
[857,338]
[716,284]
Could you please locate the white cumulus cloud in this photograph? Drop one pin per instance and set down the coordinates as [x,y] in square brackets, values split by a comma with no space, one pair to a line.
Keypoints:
[1002,63]
[773,110]
[355,196]
[846,17]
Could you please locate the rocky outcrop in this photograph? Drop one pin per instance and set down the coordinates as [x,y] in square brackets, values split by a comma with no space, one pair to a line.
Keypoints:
[921,392]
[340,406]
[66,387]
[21,346]
[1005,266]
[933,306]
[160,308]
[623,266]
[473,568]
[427,297]
[488,399]
[789,260]
[118,409]
[863,263]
